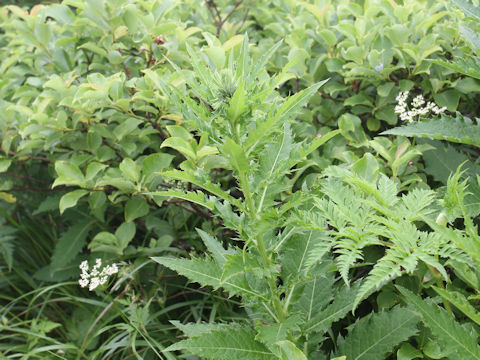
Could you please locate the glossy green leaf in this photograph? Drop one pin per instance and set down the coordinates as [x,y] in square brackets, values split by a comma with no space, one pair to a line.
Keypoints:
[70,199]
[135,208]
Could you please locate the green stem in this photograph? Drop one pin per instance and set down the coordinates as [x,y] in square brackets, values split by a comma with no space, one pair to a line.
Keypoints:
[277,305]
[248,196]
[439,283]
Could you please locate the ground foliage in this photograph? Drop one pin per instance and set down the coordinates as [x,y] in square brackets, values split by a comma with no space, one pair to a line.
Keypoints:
[243,165]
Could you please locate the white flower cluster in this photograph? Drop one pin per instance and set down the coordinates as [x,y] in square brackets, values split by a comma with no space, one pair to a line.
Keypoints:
[407,114]
[95,277]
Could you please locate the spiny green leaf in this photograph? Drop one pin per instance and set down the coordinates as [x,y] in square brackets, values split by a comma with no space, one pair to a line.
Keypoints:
[215,189]
[319,141]
[468,8]
[341,306]
[317,292]
[271,333]
[296,251]
[206,272]
[373,338]
[215,247]
[196,329]
[286,110]
[444,161]
[233,343]
[457,129]
[274,162]
[195,197]
[290,351]
[460,302]
[459,343]
[237,104]
[237,157]
[467,65]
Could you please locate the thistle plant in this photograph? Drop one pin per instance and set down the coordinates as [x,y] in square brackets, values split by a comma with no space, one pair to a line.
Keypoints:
[248,135]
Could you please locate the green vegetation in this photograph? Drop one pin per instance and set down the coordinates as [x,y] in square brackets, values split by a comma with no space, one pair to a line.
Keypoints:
[236,180]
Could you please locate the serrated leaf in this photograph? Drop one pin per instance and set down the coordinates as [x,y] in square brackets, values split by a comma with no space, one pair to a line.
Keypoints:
[290,351]
[70,243]
[373,338]
[215,189]
[468,8]
[341,306]
[459,343]
[274,162]
[215,247]
[319,141]
[467,65]
[196,329]
[233,343]
[317,292]
[195,197]
[459,300]
[444,160]
[286,110]
[205,272]
[296,251]
[238,104]
[271,333]
[236,156]
[459,129]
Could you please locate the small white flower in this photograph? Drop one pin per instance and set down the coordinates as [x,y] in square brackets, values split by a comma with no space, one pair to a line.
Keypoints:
[437,110]
[418,101]
[419,108]
[84,265]
[96,277]
[94,282]
[83,282]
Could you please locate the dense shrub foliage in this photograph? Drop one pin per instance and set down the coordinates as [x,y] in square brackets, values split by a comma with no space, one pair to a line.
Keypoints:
[233,179]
